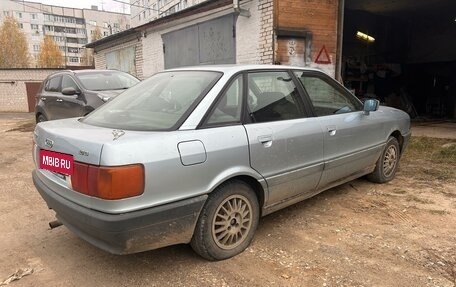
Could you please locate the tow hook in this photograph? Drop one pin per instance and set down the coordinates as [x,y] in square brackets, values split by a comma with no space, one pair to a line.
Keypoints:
[54,224]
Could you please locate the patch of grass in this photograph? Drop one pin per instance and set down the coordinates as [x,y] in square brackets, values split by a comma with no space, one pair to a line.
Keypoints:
[399,191]
[429,159]
[437,212]
[436,150]
[27,126]
[419,200]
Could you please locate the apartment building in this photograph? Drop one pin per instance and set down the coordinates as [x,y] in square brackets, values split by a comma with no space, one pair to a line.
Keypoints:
[144,11]
[71,28]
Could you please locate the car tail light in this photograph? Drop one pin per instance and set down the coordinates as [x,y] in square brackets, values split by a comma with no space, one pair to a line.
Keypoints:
[108,182]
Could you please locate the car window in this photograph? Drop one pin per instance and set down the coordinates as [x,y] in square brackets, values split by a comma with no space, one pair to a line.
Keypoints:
[68,82]
[326,98]
[273,97]
[53,84]
[229,107]
[106,80]
[158,103]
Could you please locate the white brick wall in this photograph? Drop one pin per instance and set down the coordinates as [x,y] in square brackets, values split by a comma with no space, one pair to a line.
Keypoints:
[248,35]
[100,54]
[266,8]
[153,59]
[13,94]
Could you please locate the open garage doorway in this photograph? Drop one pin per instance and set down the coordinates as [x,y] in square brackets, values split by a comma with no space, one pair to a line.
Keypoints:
[403,53]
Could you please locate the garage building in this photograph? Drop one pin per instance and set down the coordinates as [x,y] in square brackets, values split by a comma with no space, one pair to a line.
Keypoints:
[402,52]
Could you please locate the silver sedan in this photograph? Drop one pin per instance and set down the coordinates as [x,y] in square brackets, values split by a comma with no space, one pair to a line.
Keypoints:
[197,155]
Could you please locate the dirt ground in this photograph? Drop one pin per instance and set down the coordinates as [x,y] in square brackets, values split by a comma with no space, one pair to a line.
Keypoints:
[402,233]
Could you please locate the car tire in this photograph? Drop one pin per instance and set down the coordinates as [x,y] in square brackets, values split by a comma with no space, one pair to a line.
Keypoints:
[41,118]
[386,166]
[227,222]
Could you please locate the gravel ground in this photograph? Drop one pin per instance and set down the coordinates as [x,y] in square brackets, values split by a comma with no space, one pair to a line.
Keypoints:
[402,233]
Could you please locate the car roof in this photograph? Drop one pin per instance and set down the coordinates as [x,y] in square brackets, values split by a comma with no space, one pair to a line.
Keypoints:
[234,68]
[84,71]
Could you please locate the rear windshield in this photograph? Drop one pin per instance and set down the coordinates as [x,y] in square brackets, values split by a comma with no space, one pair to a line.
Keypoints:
[161,102]
[106,80]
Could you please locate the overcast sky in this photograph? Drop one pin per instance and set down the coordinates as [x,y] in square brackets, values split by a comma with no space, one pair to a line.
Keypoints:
[107,5]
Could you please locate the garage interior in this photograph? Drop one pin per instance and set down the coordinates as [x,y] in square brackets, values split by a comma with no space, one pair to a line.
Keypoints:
[402,52]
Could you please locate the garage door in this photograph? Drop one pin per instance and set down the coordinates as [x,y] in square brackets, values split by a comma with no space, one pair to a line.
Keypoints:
[210,42]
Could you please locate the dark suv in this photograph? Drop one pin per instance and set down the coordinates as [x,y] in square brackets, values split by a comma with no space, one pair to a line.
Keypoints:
[69,94]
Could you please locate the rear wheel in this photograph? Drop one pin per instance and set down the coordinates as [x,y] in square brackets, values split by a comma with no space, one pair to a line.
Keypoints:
[387,164]
[41,118]
[227,223]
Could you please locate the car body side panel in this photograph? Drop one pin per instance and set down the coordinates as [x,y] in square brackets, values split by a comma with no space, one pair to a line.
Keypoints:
[288,154]
[168,179]
[353,142]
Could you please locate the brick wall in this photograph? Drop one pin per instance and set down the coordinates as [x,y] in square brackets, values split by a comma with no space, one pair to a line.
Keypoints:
[318,17]
[153,59]
[100,54]
[13,94]
[266,48]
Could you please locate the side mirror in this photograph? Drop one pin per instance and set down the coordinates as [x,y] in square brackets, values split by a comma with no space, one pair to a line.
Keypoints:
[370,105]
[70,91]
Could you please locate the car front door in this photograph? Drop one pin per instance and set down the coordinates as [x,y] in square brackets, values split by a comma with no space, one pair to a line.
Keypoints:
[50,97]
[352,141]
[286,146]
[69,106]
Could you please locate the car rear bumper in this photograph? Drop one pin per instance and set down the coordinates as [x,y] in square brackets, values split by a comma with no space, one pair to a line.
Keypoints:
[130,232]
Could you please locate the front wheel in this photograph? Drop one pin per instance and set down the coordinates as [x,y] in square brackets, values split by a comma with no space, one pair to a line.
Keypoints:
[227,223]
[41,118]
[386,166]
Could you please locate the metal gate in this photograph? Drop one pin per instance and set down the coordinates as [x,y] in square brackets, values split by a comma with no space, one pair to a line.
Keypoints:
[210,42]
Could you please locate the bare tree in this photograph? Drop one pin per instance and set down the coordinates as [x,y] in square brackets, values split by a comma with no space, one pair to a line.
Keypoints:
[97,35]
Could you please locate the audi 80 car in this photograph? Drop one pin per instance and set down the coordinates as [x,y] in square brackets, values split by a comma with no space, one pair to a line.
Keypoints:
[68,94]
[197,155]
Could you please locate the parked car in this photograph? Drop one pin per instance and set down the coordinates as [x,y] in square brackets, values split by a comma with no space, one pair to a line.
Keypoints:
[197,155]
[68,94]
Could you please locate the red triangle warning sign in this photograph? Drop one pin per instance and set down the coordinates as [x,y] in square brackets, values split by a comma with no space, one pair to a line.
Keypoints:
[322,60]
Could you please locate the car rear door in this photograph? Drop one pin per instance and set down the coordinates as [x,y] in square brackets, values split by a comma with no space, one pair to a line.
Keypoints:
[352,141]
[286,146]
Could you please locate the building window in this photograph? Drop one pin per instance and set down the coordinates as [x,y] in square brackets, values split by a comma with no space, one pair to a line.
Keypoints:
[74,59]
[73,50]
[34,26]
[36,48]
[127,26]
[33,15]
[20,25]
[105,24]
[5,13]
[19,14]
[93,23]
[105,33]
[139,16]
[62,48]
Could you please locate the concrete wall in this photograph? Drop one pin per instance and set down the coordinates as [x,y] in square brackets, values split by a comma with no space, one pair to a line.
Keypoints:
[13,94]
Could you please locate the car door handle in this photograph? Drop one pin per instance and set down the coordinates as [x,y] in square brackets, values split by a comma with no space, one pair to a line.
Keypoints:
[332,130]
[59,100]
[266,141]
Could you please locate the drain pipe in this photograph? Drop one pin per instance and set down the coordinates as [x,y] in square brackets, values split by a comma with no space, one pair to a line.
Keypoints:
[340,37]
[238,9]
